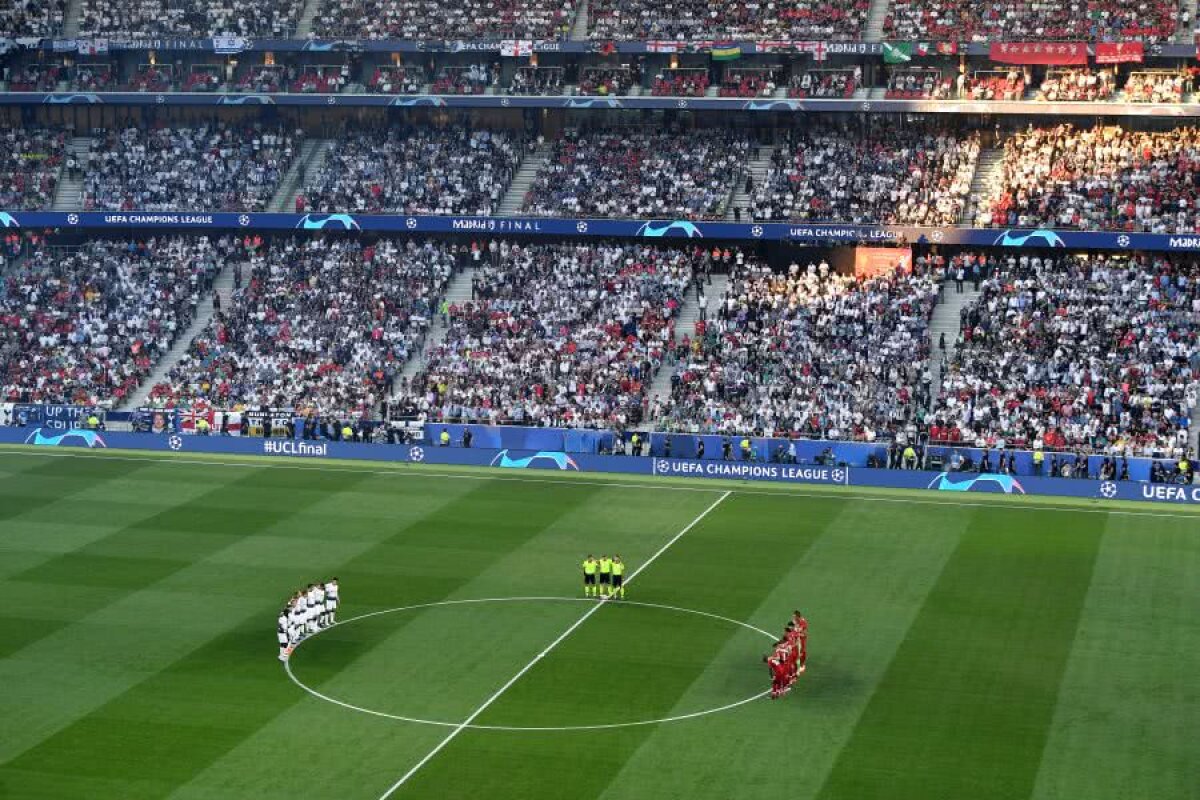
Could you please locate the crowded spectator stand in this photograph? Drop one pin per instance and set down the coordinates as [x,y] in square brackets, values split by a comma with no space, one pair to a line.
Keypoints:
[606,80]
[397,79]
[1100,178]
[36,78]
[472,79]
[996,85]
[425,19]
[451,170]
[749,82]
[86,325]
[682,82]
[1031,20]
[602,173]
[825,83]
[538,81]
[30,158]
[690,20]
[1077,84]
[219,167]
[1158,86]
[1065,352]
[152,18]
[916,175]
[918,83]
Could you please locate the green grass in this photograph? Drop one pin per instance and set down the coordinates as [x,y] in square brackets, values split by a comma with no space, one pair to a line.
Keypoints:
[973,648]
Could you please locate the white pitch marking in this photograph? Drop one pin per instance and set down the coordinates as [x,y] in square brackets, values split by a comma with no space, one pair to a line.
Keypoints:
[532,728]
[587,614]
[785,489]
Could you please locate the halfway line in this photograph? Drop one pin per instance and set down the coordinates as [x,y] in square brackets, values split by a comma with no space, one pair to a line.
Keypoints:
[474,714]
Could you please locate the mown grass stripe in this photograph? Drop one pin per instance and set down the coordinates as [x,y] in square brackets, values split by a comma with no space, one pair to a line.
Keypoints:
[721,565]
[168,713]
[1128,717]
[965,706]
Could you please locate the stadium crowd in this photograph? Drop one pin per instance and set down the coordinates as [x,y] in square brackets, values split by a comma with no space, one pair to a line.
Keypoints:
[86,325]
[737,19]
[808,352]
[417,170]
[1032,20]
[556,334]
[625,173]
[30,159]
[218,167]
[319,325]
[913,176]
[143,18]
[427,19]
[1104,177]
[33,18]
[1077,84]
[1073,352]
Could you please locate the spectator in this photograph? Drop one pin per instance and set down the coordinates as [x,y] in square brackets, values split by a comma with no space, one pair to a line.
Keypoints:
[638,174]
[738,20]
[1023,20]
[148,18]
[1069,352]
[423,19]
[410,170]
[30,158]
[907,176]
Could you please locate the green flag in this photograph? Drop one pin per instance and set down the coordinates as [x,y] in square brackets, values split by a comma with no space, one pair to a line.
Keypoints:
[899,53]
[726,52]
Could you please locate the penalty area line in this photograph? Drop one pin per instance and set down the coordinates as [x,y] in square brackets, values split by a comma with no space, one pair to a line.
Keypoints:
[450,737]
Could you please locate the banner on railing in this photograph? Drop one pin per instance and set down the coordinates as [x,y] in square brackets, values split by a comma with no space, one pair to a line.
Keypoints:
[1119,52]
[1056,53]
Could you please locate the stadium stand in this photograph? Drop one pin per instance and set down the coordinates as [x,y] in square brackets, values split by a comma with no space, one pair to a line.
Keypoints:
[735,19]
[916,175]
[426,19]
[30,159]
[749,82]
[1105,177]
[807,352]
[1100,353]
[556,334]
[538,80]
[1032,20]
[473,79]
[1159,86]
[391,79]
[1077,84]
[996,85]
[230,168]
[319,324]
[32,18]
[613,173]
[918,83]
[825,83]
[686,82]
[417,170]
[36,78]
[272,19]
[85,325]
[617,80]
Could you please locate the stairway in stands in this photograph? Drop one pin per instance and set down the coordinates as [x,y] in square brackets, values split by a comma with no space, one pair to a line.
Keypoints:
[74,15]
[285,195]
[223,286]
[983,183]
[1185,34]
[875,18]
[757,168]
[689,314]
[579,29]
[304,25]
[314,165]
[514,198]
[946,319]
[457,293]
[68,194]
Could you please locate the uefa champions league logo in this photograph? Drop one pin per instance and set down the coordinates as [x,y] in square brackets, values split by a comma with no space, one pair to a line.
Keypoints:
[175,443]
[581,227]
[1122,241]
[756,231]
[410,223]
[838,475]
[662,465]
[244,220]
[416,454]
[1108,490]
[72,219]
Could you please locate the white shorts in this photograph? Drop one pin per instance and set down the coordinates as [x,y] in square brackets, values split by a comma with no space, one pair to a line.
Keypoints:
[283,639]
[330,606]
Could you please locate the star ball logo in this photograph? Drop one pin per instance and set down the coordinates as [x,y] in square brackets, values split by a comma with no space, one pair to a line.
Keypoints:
[72,219]
[1122,241]
[244,220]
[410,223]
[1108,490]
[416,454]
[175,443]
[581,227]
[662,465]
[756,231]
[838,476]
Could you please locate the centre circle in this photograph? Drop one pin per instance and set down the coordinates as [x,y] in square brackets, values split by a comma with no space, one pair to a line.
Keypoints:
[349,637]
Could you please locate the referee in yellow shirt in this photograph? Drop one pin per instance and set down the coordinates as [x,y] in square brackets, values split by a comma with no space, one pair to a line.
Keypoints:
[618,577]
[590,565]
[605,576]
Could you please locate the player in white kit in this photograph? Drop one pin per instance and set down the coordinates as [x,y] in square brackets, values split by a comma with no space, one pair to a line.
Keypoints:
[331,601]
[282,633]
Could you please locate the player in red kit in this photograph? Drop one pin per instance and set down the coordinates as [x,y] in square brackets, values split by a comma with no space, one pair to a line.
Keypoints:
[801,625]
[778,675]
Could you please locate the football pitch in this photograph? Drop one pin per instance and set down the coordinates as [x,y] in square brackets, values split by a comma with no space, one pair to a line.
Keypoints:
[966,648]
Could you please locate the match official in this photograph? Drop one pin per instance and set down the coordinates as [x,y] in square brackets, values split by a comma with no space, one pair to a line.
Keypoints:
[590,565]
[618,577]
[605,576]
